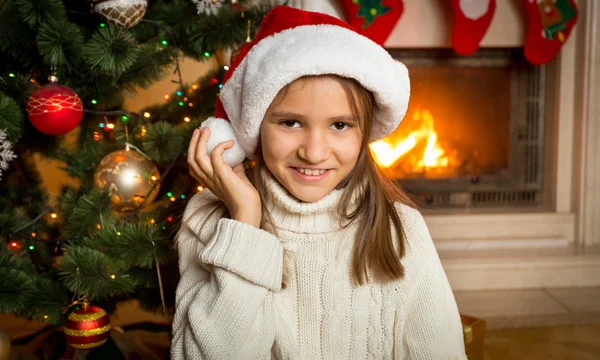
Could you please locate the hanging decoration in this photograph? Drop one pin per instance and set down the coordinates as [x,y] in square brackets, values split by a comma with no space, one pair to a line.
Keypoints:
[122,13]
[54,109]
[6,153]
[129,177]
[374,19]
[87,327]
[208,7]
[550,24]
[471,21]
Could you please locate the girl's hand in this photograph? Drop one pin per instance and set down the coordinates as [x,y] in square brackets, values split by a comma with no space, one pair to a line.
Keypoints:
[229,184]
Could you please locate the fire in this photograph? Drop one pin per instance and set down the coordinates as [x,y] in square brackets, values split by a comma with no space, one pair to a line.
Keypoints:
[389,150]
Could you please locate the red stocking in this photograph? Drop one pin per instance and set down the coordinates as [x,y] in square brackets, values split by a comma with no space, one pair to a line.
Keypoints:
[472,18]
[550,23]
[374,19]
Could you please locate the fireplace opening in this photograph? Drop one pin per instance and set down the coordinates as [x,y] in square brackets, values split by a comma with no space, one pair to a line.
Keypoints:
[473,133]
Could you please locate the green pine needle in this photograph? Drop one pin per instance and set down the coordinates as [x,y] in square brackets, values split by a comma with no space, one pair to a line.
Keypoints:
[111,51]
[92,209]
[162,142]
[35,12]
[60,42]
[89,272]
[11,118]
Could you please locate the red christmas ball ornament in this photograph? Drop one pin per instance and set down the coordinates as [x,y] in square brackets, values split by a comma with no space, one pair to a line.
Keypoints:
[87,328]
[54,109]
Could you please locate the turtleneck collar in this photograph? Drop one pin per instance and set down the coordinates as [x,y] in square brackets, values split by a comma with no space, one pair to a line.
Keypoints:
[291,214]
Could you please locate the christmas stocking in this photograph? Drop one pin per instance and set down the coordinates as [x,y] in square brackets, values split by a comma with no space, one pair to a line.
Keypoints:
[550,23]
[374,19]
[472,18]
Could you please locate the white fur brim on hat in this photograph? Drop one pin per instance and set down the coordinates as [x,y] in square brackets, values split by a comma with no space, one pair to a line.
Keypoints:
[221,131]
[280,59]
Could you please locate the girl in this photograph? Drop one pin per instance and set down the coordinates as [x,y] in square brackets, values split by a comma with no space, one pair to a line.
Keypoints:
[314,254]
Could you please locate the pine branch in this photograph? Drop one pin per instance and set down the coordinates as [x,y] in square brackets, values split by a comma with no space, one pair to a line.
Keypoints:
[94,275]
[111,51]
[35,12]
[60,44]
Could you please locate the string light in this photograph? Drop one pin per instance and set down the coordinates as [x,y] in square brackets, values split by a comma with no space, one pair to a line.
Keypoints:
[167,96]
[31,247]
[98,226]
[147,114]
[185,99]
[152,221]
[124,118]
[101,125]
[181,103]
[14,244]
[119,233]
[110,126]
[113,276]
[200,188]
[94,101]
[53,215]
[220,86]
[153,178]
[179,93]
[165,43]
[207,54]
[45,316]
[169,194]
[186,119]
[169,219]
[226,67]
[11,75]
[172,198]
[96,136]
[182,196]
[195,86]
[33,234]
[102,25]
[191,105]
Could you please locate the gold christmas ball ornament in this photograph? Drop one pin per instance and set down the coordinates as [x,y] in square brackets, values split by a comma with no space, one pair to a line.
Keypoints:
[123,13]
[129,178]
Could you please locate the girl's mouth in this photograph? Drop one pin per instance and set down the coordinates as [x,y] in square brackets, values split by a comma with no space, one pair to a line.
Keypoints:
[310,175]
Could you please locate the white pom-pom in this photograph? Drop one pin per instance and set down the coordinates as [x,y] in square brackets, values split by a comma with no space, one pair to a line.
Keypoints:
[221,131]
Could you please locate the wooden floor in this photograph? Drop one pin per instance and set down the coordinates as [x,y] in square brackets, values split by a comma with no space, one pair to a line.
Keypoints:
[580,342]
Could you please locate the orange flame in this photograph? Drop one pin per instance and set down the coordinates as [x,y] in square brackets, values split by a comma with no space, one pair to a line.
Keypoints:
[389,150]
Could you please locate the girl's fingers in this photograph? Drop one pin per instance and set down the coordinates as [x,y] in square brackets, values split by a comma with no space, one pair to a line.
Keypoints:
[201,155]
[216,156]
[192,148]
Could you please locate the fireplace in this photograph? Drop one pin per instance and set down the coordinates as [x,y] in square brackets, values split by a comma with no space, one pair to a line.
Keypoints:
[473,135]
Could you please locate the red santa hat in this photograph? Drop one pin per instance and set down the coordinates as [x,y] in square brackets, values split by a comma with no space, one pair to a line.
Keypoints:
[292,43]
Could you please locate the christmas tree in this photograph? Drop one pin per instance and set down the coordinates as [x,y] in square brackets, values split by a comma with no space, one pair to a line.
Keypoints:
[65,69]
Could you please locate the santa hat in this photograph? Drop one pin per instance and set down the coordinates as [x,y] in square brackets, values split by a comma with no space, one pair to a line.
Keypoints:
[292,43]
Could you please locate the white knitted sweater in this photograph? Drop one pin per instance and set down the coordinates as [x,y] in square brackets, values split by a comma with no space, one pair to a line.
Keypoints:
[230,304]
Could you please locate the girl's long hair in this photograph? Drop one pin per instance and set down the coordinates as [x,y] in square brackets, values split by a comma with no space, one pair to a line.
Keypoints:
[375,250]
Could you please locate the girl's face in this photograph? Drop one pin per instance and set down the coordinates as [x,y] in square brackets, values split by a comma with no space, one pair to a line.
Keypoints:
[311,126]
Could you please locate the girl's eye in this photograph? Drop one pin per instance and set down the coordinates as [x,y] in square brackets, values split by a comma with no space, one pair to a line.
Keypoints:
[340,126]
[289,123]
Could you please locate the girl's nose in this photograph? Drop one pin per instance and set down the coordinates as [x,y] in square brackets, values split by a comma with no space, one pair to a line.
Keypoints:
[315,148]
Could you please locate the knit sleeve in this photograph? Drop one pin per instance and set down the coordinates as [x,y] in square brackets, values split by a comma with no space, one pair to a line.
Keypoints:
[224,300]
[431,328]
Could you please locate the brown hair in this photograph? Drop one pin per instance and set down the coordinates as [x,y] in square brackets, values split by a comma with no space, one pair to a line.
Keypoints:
[374,250]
